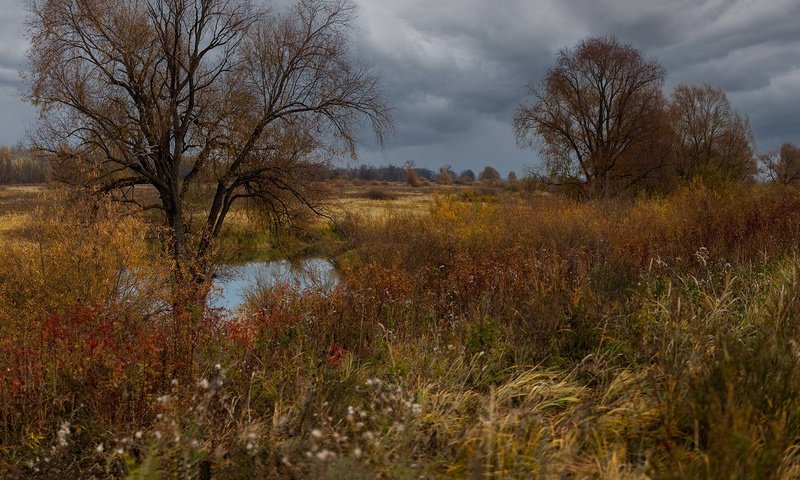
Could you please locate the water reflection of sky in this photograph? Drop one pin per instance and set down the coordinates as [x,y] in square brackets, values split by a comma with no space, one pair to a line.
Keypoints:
[237,280]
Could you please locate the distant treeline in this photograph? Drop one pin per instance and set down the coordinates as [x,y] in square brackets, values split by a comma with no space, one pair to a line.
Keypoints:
[17,166]
[393,173]
[387,173]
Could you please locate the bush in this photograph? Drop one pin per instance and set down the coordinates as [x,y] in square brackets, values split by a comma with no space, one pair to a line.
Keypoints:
[376,193]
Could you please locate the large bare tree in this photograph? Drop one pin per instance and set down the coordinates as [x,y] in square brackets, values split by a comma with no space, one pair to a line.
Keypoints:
[212,99]
[600,103]
[711,139]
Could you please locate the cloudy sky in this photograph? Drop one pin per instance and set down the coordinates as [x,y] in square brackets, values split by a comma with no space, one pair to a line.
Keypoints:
[454,70]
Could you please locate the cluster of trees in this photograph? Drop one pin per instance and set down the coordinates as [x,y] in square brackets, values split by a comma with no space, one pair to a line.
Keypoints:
[604,125]
[447,175]
[18,166]
[388,173]
[392,173]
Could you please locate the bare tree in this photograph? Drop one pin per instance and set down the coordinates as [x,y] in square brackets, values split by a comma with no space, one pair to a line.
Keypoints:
[446,175]
[783,165]
[710,137]
[599,103]
[410,173]
[208,99]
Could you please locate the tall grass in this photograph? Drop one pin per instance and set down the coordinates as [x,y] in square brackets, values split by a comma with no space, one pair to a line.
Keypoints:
[499,336]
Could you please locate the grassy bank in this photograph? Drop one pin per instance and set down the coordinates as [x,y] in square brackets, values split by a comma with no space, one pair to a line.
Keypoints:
[488,334]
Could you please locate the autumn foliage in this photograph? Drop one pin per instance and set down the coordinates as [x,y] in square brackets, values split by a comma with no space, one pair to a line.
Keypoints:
[575,331]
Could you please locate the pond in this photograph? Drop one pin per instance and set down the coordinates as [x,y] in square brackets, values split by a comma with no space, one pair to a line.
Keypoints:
[232,287]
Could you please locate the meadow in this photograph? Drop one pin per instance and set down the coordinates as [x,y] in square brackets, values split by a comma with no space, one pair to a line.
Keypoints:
[475,332]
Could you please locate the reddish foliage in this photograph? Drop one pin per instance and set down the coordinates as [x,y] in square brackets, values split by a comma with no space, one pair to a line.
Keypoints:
[335,353]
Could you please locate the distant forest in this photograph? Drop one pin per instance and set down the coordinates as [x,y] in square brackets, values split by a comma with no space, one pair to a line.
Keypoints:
[393,173]
[18,166]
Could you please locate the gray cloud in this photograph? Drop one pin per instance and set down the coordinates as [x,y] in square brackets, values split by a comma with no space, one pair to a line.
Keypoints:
[472,59]
[16,116]
[12,43]
[454,70]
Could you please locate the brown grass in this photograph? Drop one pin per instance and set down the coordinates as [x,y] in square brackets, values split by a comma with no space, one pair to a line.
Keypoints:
[484,335]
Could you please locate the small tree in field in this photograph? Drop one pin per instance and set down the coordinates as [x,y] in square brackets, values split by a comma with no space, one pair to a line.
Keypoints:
[446,175]
[410,173]
[467,176]
[595,111]
[489,175]
[212,100]
[783,165]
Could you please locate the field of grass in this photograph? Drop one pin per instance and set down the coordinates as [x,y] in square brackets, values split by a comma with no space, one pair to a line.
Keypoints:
[16,204]
[379,201]
[475,333]
[245,238]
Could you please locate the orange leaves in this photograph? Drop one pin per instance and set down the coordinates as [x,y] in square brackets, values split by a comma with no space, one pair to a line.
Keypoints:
[335,353]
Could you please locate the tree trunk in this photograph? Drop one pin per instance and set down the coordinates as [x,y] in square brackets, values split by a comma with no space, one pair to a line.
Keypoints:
[190,290]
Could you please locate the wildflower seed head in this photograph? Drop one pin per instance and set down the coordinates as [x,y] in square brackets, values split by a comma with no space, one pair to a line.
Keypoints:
[325,455]
[63,433]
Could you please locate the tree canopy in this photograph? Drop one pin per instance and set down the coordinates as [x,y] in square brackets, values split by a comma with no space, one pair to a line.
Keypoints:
[595,111]
[711,139]
[489,174]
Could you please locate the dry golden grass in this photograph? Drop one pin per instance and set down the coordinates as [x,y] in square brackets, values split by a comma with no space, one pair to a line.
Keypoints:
[17,202]
[353,199]
[12,222]
[244,237]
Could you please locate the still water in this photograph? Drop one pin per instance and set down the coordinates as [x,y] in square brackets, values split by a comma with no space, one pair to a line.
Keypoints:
[236,280]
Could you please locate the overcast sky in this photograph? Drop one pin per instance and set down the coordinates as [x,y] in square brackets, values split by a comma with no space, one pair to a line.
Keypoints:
[454,70]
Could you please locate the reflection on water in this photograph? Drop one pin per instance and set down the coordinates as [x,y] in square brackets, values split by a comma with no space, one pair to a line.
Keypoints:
[237,280]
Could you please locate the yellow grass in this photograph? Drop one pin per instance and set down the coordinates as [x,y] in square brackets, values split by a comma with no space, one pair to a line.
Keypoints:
[352,200]
[13,221]
[16,204]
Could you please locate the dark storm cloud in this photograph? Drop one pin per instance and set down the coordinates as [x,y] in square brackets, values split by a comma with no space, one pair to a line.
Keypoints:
[454,70]
[472,60]
[12,44]
[468,58]
[16,117]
